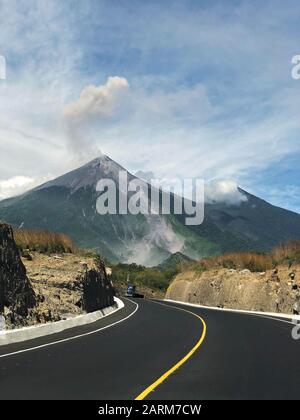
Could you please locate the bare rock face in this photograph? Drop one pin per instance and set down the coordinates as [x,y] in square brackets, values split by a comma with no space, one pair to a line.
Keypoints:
[97,290]
[67,285]
[17,296]
[270,291]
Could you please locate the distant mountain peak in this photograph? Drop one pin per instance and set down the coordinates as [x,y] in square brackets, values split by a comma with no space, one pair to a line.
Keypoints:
[87,175]
[100,160]
[68,204]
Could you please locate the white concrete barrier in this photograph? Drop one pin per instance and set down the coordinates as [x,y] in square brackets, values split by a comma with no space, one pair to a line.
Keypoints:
[36,331]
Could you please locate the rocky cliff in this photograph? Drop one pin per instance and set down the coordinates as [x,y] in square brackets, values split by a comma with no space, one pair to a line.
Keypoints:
[67,285]
[17,296]
[97,289]
[272,291]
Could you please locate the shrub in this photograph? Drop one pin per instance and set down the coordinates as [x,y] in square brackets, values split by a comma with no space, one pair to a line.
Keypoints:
[44,241]
[238,261]
[253,261]
[289,252]
[141,276]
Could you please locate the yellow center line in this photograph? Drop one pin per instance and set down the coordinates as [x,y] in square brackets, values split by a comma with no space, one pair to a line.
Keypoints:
[160,380]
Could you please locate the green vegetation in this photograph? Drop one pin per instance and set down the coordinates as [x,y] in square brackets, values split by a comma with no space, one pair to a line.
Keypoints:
[196,245]
[154,278]
[174,262]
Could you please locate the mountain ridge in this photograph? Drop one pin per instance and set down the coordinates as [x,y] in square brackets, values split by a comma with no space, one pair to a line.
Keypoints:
[68,204]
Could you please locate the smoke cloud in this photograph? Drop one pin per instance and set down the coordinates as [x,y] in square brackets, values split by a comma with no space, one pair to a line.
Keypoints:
[95,106]
[97,101]
[148,251]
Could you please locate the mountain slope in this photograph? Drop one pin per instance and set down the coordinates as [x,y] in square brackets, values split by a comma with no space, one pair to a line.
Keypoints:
[174,261]
[68,204]
[259,223]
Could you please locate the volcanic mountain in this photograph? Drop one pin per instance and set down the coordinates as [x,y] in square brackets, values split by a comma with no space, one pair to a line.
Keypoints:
[68,204]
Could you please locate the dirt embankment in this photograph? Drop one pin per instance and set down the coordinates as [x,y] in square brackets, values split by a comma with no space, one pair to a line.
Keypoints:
[66,285]
[59,279]
[271,291]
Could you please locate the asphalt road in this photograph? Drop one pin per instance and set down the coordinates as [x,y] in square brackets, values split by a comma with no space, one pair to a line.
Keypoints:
[239,356]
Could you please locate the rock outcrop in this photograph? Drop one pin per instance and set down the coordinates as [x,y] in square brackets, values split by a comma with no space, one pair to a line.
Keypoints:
[97,290]
[57,286]
[17,296]
[67,285]
[272,291]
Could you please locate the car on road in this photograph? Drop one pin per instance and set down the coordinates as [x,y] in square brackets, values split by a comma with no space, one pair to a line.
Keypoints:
[131,292]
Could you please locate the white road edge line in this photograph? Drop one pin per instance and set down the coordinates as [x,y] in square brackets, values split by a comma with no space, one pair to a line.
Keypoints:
[267,315]
[170,306]
[273,318]
[74,337]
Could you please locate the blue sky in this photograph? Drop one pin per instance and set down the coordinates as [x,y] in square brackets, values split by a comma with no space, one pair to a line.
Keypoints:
[197,89]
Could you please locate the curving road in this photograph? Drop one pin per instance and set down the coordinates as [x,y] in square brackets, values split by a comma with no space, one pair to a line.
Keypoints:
[224,355]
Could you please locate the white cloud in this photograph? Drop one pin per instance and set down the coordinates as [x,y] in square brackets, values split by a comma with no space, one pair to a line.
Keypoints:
[211,94]
[223,191]
[18,185]
[181,105]
[15,186]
